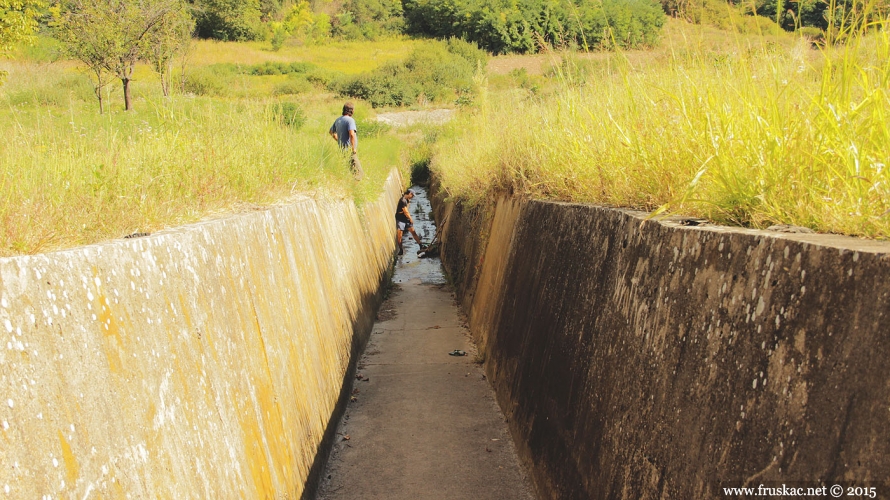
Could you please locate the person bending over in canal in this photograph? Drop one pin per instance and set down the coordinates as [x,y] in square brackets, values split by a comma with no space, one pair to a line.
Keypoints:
[404,222]
[344,131]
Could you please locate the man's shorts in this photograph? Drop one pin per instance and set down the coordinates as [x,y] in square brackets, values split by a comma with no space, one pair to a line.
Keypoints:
[403,226]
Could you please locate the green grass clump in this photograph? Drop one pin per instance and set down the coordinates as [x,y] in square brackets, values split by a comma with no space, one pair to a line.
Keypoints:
[289,114]
[753,136]
[294,85]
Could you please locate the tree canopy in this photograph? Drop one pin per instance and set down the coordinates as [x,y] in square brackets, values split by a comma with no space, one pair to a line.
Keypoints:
[18,20]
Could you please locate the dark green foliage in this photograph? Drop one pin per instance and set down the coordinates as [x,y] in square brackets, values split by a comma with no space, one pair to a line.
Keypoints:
[435,73]
[289,114]
[373,18]
[523,25]
[323,77]
[277,68]
[787,14]
[381,89]
[228,19]
[469,51]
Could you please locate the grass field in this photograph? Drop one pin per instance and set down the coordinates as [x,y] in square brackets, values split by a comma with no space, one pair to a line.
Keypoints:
[70,176]
[343,56]
[741,129]
[751,131]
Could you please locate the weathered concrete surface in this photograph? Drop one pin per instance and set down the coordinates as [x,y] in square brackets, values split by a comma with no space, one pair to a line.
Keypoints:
[649,360]
[202,362]
[424,425]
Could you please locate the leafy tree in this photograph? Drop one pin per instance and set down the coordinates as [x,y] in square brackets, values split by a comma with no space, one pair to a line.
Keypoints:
[521,25]
[376,17]
[18,21]
[228,19]
[171,36]
[109,36]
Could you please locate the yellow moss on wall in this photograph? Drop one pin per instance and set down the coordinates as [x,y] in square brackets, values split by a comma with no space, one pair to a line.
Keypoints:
[200,362]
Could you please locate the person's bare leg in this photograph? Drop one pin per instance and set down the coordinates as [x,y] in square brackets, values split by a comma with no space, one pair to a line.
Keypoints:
[399,241]
[416,238]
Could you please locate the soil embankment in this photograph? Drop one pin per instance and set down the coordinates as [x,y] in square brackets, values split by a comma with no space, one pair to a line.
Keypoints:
[647,359]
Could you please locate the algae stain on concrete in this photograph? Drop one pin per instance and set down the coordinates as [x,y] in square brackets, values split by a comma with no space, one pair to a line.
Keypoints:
[203,362]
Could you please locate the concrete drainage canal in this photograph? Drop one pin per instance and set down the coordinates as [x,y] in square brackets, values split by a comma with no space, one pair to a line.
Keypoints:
[422,421]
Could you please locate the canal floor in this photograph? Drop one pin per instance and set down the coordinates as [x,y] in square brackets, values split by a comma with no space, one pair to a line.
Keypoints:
[422,423]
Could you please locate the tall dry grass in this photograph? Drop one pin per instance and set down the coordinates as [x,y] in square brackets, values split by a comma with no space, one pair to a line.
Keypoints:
[757,135]
[70,176]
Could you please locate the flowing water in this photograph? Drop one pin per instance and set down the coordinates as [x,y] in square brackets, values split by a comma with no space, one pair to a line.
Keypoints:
[409,265]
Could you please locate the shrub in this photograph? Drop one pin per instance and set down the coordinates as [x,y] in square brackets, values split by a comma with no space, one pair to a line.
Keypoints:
[523,80]
[293,85]
[469,51]
[381,89]
[323,77]
[439,72]
[234,20]
[289,114]
[277,68]
[372,128]
[208,80]
[279,36]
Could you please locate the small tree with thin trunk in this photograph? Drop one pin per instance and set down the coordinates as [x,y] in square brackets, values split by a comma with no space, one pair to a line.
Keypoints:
[90,47]
[172,36]
[110,35]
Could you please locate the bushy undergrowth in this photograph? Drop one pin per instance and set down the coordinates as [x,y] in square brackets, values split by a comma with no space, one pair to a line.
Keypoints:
[436,72]
[506,26]
[752,137]
[289,114]
[297,84]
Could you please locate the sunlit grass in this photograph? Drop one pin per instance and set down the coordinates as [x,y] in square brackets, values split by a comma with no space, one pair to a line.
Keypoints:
[344,56]
[70,176]
[751,136]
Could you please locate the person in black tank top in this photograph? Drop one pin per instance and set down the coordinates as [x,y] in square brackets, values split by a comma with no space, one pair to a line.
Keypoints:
[404,222]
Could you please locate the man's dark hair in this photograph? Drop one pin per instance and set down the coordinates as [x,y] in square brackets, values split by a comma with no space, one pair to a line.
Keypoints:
[348,108]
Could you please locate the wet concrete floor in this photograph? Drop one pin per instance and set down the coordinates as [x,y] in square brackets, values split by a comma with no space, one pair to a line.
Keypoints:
[422,424]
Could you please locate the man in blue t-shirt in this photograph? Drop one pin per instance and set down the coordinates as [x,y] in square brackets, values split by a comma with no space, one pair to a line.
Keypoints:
[344,132]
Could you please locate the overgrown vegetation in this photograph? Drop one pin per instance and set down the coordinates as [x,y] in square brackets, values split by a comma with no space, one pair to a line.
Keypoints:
[69,175]
[440,72]
[508,26]
[753,136]
[812,18]
[739,129]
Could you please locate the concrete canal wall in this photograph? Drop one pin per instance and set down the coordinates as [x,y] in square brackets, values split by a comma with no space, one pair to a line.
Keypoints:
[200,362]
[645,359]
